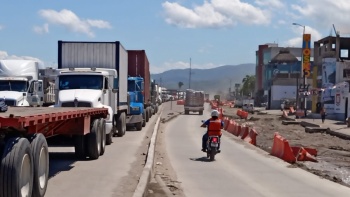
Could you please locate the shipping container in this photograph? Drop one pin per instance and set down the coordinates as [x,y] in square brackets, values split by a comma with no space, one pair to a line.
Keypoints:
[138,66]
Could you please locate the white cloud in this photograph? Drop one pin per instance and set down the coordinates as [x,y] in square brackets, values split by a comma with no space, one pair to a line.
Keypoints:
[281,22]
[179,65]
[270,3]
[216,13]
[326,12]
[41,30]
[72,22]
[297,41]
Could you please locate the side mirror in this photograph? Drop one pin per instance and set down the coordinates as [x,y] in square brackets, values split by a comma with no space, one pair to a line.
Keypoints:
[203,121]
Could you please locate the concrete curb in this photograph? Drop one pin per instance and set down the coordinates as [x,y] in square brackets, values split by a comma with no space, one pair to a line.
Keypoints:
[163,186]
[147,170]
[172,117]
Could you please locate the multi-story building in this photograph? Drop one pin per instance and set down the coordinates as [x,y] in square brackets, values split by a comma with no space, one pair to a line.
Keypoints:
[278,72]
[332,62]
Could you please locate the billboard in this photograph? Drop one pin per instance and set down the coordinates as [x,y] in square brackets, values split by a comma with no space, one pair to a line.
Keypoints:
[306,54]
[328,83]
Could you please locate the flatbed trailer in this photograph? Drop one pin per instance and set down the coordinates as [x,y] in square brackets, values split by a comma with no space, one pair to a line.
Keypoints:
[24,164]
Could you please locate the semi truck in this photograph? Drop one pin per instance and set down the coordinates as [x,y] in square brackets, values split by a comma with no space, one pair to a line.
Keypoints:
[194,101]
[206,97]
[23,145]
[95,74]
[22,83]
[138,66]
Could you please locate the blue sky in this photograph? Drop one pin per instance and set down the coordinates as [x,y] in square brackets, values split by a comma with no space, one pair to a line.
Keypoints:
[212,33]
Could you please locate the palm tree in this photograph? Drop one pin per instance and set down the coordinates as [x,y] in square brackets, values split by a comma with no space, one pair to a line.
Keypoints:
[180,84]
[248,84]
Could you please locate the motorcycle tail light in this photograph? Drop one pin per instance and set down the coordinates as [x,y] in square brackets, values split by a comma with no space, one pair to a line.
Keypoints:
[215,139]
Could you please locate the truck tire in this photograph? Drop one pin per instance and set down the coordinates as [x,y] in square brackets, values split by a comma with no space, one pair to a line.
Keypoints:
[109,138]
[17,170]
[186,112]
[40,152]
[147,115]
[121,125]
[200,112]
[79,146]
[102,127]
[139,126]
[144,119]
[150,112]
[94,141]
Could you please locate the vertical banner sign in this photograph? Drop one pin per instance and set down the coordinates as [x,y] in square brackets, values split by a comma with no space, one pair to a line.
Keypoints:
[306,54]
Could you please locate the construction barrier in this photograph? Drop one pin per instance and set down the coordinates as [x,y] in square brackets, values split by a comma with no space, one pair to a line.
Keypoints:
[244,132]
[226,123]
[251,138]
[221,113]
[180,102]
[231,126]
[305,154]
[281,149]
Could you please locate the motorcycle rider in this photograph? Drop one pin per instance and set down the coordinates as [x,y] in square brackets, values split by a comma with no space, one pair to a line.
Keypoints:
[214,125]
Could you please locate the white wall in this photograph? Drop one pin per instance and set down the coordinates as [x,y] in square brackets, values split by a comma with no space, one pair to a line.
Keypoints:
[279,92]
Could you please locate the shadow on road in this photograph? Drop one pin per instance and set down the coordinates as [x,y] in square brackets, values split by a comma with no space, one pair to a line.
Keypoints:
[60,162]
[202,159]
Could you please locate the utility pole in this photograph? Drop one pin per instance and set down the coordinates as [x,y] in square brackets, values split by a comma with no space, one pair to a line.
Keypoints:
[189,82]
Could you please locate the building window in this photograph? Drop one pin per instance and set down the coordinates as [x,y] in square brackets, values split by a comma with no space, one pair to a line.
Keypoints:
[344,53]
[346,73]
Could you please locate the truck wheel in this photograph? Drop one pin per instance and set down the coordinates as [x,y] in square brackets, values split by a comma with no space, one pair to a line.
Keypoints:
[121,125]
[17,170]
[40,152]
[94,141]
[144,119]
[139,126]
[147,115]
[102,127]
[150,112]
[186,112]
[109,138]
[79,146]
[200,112]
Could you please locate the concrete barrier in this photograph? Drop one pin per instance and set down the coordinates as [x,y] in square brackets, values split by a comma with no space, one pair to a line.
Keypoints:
[147,170]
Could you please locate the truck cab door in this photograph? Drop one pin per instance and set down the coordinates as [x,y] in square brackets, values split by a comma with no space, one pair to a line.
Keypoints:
[35,95]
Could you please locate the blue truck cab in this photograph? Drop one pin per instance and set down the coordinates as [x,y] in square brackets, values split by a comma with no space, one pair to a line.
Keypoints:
[135,116]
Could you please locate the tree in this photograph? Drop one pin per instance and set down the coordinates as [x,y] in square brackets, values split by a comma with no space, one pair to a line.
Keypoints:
[248,85]
[180,84]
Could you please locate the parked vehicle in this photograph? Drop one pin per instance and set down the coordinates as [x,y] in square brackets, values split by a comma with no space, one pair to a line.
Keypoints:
[249,108]
[95,74]
[287,103]
[22,83]
[25,154]
[194,101]
[138,65]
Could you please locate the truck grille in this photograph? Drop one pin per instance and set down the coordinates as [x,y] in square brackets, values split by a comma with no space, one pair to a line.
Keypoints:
[9,102]
[80,104]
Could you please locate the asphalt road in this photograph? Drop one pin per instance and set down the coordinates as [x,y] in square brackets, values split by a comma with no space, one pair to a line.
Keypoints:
[239,170]
[102,177]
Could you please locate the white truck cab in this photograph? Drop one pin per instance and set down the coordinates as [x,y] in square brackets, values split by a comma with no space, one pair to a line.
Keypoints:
[88,87]
[22,85]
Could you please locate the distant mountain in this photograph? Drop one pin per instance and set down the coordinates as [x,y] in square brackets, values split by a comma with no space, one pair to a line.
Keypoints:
[212,80]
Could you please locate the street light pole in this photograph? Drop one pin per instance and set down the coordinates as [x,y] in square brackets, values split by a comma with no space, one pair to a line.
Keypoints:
[302,72]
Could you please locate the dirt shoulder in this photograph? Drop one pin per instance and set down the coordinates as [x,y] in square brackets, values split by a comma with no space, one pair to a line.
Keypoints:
[164,180]
[333,153]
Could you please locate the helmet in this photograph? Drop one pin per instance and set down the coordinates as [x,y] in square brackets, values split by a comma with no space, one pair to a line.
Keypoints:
[215,113]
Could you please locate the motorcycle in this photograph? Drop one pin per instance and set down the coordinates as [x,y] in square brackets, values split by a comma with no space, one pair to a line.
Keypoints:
[212,147]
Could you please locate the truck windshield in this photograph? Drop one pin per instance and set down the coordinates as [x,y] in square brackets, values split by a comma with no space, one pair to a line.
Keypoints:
[67,82]
[134,85]
[19,86]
